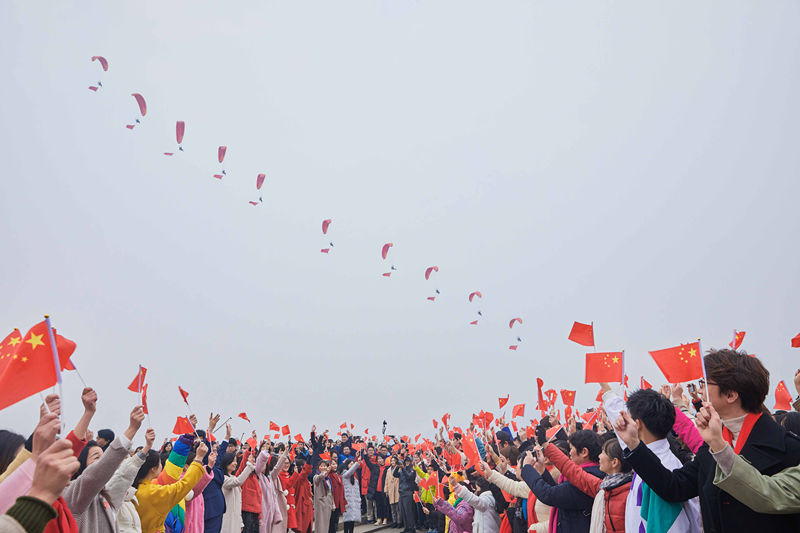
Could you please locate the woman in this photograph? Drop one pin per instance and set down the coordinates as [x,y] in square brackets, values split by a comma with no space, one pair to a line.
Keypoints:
[153,501]
[232,492]
[195,502]
[610,493]
[352,494]
[251,496]
[337,491]
[285,477]
[302,494]
[391,489]
[10,445]
[407,484]
[270,513]
[212,495]
[323,498]
[281,494]
[538,513]
[460,513]
[489,505]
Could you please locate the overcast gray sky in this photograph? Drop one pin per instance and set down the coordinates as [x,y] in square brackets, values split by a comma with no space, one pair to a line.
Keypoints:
[634,164]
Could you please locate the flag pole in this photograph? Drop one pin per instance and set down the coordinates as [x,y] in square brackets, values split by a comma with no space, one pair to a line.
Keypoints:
[623,367]
[57,365]
[705,377]
[594,342]
[140,385]
[219,426]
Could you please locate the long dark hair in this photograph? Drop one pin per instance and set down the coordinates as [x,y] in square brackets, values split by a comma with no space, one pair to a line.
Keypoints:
[10,444]
[500,503]
[150,462]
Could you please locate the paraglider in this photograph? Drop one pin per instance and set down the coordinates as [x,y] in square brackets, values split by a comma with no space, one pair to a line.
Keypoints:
[180,128]
[429,270]
[513,347]
[513,321]
[104,64]
[253,203]
[432,298]
[385,249]
[387,274]
[221,157]
[325,224]
[325,250]
[474,294]
[260,181]
[142,109]
[474,323]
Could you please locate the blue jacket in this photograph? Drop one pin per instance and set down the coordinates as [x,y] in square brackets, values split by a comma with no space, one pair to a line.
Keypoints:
[212,494]
[573,506]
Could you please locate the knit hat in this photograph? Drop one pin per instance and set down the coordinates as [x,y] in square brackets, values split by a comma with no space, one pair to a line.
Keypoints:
[106,434]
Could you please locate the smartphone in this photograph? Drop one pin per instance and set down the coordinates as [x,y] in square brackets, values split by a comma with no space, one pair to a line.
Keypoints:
[691,388]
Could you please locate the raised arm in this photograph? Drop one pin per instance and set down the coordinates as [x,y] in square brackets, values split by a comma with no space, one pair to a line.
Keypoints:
[482,503]
[584,481]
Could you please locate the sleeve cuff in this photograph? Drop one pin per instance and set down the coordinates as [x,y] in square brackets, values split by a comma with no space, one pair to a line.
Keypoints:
[724,459]
[32,513]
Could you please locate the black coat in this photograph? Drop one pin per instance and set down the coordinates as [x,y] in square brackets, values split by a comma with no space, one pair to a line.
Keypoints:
[769,448]
[574,507]
[408,480]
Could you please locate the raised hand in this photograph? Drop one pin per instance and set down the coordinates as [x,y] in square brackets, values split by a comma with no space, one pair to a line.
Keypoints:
[627,430]
[193,420]
[45,434]
[89,399]
[212,459]
[529,459]
[227,431]
[135,422]
[55,465]
[201,452]
[52,404]
[665,391]
[149,439]
[709,425]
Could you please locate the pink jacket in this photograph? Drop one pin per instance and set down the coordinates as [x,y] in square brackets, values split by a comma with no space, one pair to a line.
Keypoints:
[460,516]
[687,431]
[270,511]
[196,507]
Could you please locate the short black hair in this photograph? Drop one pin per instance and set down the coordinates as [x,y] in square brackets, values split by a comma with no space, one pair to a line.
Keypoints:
[586,439]
[654,410]
[738,372]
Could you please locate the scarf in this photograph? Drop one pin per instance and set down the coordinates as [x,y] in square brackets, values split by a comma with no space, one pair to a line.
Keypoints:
[64,522]
[616,480]
[747,426]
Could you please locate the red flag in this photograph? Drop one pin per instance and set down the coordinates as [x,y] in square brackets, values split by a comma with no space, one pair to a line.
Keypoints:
[556,433]
[599,397]
[182,425]
[625,381]
[568,397]
[416,438]
[796,341]
[253,443]
[144,400]
[343,426]
[503,401]
[273,426]
[28,365]
[352,426]
[518,410]
[539,384]
[738,337]
[138,381]
[325,456]
[604,367]
[681,363]
[276,436]
[445,417]
[583,334]
[184,395]
[514,425]
[470,450]
[299,437]
[435,424]
[513,347]
[366,431]
[243,416]
[783,400]
[590,418]
[644,384]
[551,397]
[487,418]
[285,430]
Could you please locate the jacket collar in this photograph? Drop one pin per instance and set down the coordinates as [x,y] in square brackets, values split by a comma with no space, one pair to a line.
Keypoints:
[766,444]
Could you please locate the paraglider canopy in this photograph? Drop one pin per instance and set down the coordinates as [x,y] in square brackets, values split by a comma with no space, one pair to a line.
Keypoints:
[429,270]
[260,181]
[474,294]
[385,249]
[221,153]
[513,321]
[142,104]
[180,127]
[102,61]
[325,224]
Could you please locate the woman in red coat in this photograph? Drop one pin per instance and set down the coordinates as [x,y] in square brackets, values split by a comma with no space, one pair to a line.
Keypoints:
[609,493]
[251,498]
[286,484]
[304,509]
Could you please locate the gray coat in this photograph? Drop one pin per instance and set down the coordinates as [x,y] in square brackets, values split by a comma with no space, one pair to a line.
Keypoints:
[352,494]
[97,494]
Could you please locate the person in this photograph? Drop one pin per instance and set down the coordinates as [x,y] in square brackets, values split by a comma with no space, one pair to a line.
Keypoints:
[337,491]
[571,507]
[460,512]
[232,521]
[92,497]
[737,385]
[55,465]
[406,487]
[270,514]
[304,509]
[251,496]
[352,494]
[610,493]
[655,417]
[128,520]
[276,473]
[538,518]
[104,438]
[195,501]
[215,504]
[11,444]
[488,504]
[323,498]
[154,501]
[391,485]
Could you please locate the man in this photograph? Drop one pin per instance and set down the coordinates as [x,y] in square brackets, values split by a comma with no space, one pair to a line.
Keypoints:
[654,416]
[104,438]
[736,385]
[571,507]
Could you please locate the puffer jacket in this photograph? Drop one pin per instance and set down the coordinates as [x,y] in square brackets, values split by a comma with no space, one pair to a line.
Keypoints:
[251,489]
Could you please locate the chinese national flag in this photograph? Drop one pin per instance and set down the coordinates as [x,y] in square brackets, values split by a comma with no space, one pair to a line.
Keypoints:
[445,417]
[738,337]
[783,400]
[514,425]
[26,363]
[583,334]
[273,426]
[568,397]
[796,341]
[551,397]
[285,430]
[590,418]
[417,436]
[184,394]
[503,401]
[519,410]
[487,418]
[343,426]
[541,404]
[144,400]
[435,424]
[325,456]
[644,384]
[470,450]
[604,367]
[182,425]
[252,443]
[138,381]
[681,363]
[299,437]
[243,416]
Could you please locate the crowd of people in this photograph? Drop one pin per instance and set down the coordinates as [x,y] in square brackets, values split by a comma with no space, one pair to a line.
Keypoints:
[659,461]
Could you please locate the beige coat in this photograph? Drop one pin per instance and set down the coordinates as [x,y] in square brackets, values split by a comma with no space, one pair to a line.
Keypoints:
[520,489]
[323,504]
[391,486]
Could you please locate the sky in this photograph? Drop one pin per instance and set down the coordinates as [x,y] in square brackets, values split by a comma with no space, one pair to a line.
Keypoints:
[631,164]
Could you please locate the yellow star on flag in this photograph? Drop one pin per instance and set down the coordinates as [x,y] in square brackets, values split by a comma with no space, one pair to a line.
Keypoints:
[13,341]
[35,340]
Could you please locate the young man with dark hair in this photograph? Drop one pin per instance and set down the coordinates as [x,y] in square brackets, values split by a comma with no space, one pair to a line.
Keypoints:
[572,508]
[736,385]
[653,416]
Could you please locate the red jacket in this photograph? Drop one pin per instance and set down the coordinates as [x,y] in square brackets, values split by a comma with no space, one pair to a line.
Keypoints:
[365,474]
[589,484]
[251,490]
